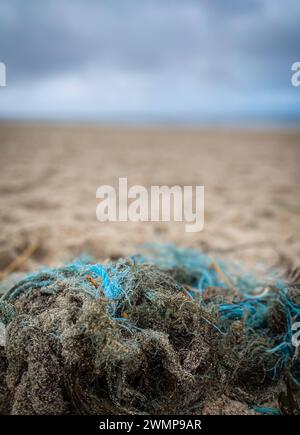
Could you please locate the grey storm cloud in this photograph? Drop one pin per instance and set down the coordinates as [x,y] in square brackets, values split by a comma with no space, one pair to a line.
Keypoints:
[242,44]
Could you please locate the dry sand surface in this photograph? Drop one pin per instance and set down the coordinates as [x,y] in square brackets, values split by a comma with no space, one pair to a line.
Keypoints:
[49,176]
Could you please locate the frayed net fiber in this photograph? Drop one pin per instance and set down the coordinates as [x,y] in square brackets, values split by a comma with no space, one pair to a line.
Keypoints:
[166,332]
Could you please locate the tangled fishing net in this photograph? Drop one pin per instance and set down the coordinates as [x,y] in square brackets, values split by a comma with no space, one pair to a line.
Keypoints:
[167,332]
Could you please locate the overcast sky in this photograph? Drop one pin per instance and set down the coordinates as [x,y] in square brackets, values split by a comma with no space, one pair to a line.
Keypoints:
[150,59]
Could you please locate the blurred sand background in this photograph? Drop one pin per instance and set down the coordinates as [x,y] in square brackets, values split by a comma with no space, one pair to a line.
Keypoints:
[49,175]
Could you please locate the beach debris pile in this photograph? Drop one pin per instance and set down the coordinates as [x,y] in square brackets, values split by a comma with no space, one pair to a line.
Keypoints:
[166,331]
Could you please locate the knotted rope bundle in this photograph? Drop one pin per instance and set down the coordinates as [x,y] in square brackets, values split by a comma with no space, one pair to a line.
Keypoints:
[164,332]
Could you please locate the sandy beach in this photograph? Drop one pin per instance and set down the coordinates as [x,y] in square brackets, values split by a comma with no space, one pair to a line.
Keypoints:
[50,173]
